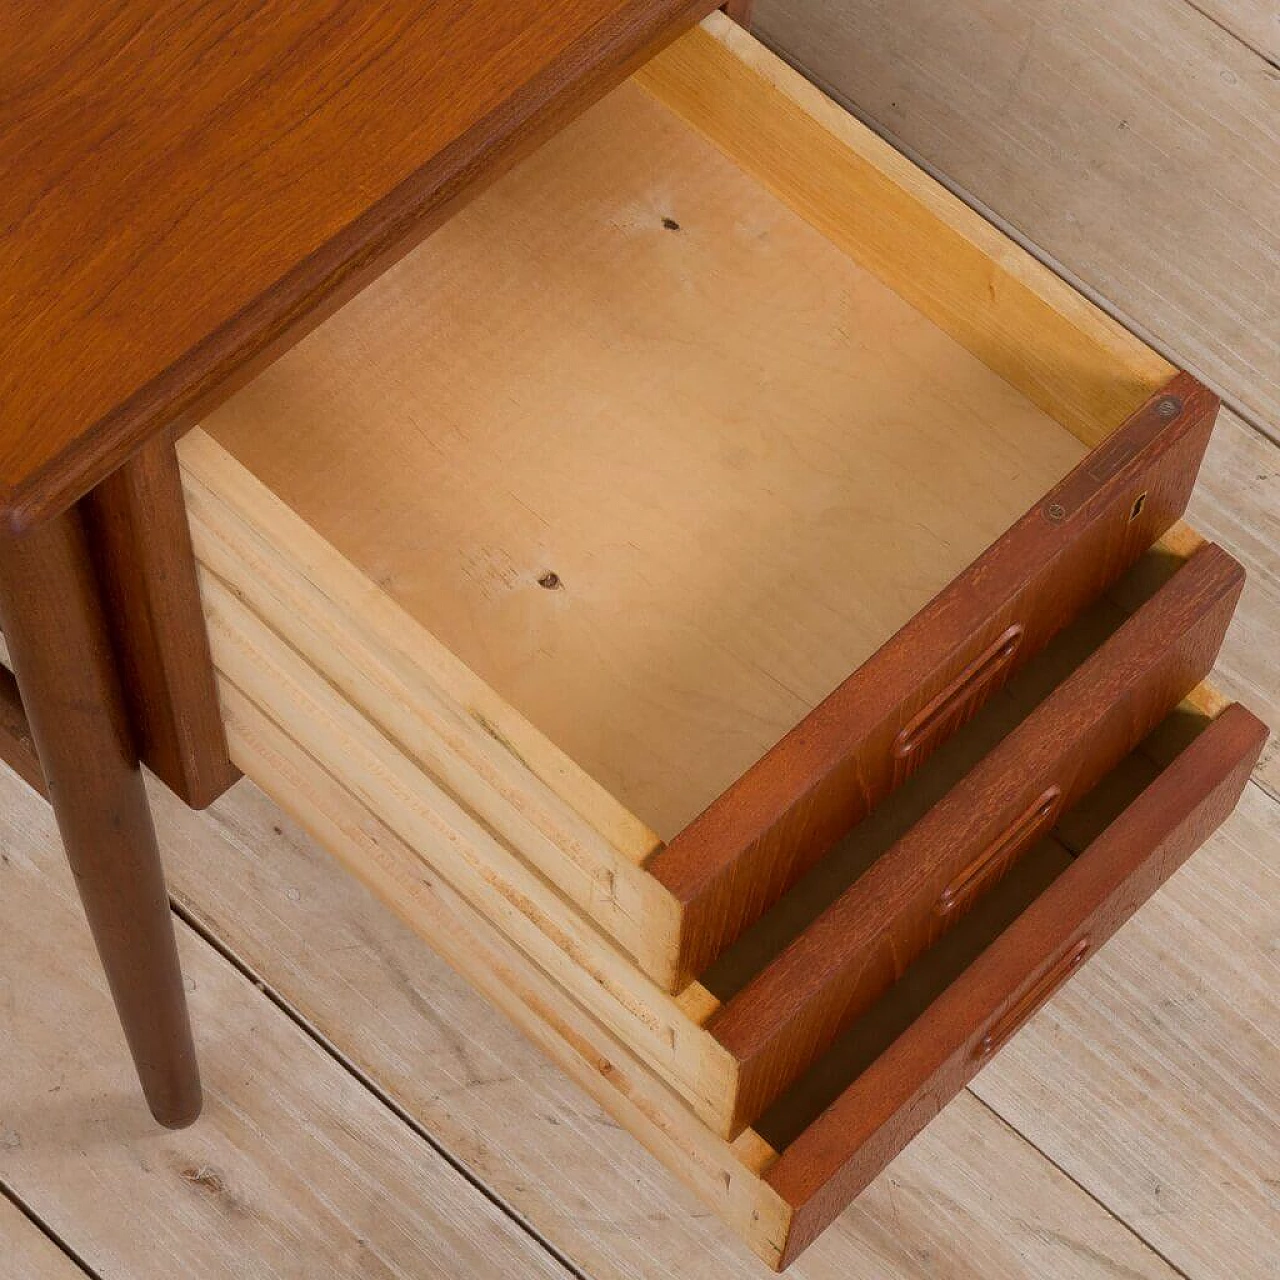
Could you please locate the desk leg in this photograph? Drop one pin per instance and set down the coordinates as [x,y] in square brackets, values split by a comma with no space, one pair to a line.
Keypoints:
[52,617]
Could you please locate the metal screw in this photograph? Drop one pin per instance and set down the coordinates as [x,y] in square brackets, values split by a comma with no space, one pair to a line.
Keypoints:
[1056,511]
[1169,407]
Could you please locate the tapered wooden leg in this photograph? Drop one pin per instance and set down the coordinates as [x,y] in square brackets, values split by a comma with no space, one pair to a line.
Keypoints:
[52,617]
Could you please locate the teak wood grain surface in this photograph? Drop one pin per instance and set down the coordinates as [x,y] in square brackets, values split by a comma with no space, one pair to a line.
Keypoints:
[60,650]
[16,746]
[794,1009]
[189,186]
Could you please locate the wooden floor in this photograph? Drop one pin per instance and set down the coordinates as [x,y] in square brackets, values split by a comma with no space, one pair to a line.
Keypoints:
[368,1116]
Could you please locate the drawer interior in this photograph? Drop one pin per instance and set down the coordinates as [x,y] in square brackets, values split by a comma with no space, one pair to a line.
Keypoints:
[649,453]
[654,453]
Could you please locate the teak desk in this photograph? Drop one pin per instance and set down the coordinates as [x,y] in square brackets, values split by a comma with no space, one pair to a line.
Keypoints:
[554,585]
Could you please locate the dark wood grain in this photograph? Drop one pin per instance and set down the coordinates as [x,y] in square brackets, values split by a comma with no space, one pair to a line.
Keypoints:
[885,1107]
[743,852]
[739,11]
[62,657]
[17,749]
[188,186]
[141,545]
[794,1009]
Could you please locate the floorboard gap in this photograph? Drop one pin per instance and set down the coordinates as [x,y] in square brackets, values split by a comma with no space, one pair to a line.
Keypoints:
[1248,416]
[1234,35]
[322,1041]
[47,1231]
[1266,789]
[1080,1186]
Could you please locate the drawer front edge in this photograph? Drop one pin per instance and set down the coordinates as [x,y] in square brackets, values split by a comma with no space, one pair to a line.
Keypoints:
[794,1009]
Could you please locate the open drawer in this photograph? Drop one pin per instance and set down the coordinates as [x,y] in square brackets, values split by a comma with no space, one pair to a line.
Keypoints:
[648,529]
[649,445]
[779,1184]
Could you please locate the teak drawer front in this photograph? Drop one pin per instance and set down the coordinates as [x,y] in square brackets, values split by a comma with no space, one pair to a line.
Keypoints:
[792,1011]
[826,1167]
[883,722]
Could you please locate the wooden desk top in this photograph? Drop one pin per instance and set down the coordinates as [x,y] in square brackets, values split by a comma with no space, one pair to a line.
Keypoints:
[186,187]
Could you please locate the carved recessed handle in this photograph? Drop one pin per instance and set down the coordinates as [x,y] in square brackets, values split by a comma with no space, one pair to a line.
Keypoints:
[1027,827]
[959,697]
[1003,1028]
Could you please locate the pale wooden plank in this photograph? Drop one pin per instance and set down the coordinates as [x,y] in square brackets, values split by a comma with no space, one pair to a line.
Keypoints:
[295,1169]
[1255,23]
[1237,503]
[27,1253]
[1154,1079]
[1138,144]
[969,1196]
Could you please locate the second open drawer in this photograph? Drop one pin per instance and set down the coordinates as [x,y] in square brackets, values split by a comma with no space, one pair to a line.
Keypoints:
[664,518]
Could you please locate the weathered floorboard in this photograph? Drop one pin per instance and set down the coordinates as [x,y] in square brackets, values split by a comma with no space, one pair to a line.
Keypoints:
[1154,1079]
[28,1253]
[294,1170]
[1237,504]
[1138,144]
